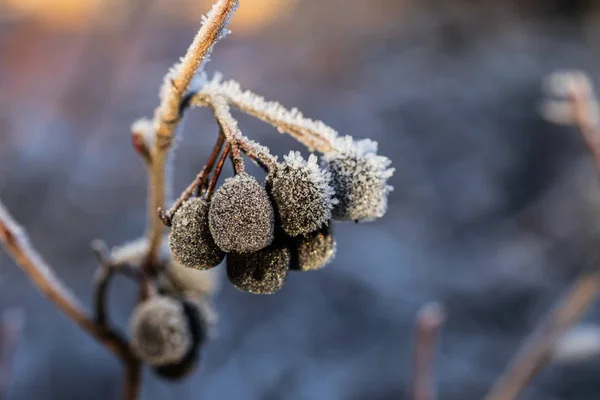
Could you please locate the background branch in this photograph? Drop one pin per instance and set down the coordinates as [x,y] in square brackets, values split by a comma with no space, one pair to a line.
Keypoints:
[10,332]
[17,246]
[538,349]
[430,319]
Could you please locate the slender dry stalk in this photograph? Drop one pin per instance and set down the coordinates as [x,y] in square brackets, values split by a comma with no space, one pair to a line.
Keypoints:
[16,244]
[313,134]
[10,332]
[585,112]
[430,320]
[220,108]
[538,348]
[576,105]
[167,117]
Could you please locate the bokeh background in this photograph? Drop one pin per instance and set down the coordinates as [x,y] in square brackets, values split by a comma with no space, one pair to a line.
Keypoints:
[492,215]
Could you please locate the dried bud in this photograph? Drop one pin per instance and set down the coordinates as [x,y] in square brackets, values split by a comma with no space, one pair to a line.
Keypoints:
[160,330]
[301,193]
[314,251]
[260,272]
[241,215]
[190,240]
[359,178]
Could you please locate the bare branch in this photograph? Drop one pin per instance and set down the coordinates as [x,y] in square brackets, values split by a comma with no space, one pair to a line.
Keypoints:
[233,135]
[311,133]
[167,116]
[217,173]
[538,348]
[17,246]
[430,319]
[10,332]
[576,105]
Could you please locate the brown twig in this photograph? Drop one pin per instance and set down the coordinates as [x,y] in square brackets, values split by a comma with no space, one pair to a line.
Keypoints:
[166,119]
[199,181]
[538,348]
[585,112]
[430,319]
[10,332]
[220,108]
[102,279]
[218,169]
[16,244]
[313,134]
[132,380]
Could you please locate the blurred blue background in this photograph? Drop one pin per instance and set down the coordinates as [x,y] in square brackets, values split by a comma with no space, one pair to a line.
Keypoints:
[493,212]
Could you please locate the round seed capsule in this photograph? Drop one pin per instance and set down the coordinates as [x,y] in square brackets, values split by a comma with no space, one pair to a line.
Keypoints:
[260,272]
[196,312]
[313,251]
[359,178]
[190,240]
[301,193]
[241,215]
[161,333]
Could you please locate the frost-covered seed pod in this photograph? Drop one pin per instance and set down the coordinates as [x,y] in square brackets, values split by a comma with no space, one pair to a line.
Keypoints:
[200,319]
[260,272]
[190,240]
[241,215]
[160,331]
[313,251]
[301,193]
[359,178]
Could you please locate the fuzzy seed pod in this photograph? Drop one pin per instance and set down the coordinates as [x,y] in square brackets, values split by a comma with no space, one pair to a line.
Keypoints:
[241,215]
[160,331]
[200,318]
[359,178]
[190,240]
[313,251]
[260,272]
[301,193]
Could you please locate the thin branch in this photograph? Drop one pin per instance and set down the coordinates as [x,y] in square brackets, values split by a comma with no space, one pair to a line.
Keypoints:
[132,380]
[217,173]
[101,281]
[430,319]
[575,104]
[220,108]
[311,133]
[538,348]
[167,116]
[585,113]
[199,181]
[12,325]
[17,246]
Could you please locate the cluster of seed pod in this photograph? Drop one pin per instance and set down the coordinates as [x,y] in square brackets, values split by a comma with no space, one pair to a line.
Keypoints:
[265,231]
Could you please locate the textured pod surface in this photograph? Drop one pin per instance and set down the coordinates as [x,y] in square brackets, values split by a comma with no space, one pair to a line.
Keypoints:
[241,215]
[260,272]
[359,178]
[190,240]
[302,194]
[160,331]
[313,251]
